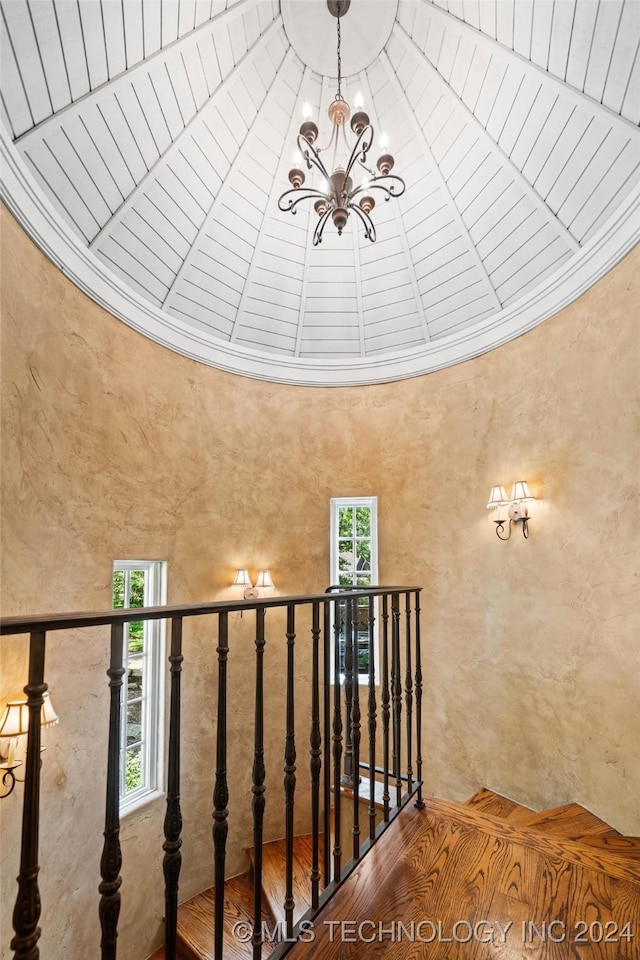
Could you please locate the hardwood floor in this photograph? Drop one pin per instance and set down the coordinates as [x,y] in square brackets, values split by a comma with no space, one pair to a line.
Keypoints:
[467,885]
[485,880]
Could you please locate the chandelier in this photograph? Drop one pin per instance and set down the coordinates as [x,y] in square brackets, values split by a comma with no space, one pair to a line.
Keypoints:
[338,195]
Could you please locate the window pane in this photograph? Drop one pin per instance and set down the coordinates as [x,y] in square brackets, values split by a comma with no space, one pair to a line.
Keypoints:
[135,639]
[118,590]
[345,555]
[363,521]
[345,522]
[134,678]
[133,769]
[134,721]
[363,552]
[136,588]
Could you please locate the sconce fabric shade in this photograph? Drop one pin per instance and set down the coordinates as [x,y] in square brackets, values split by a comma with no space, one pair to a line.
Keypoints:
[15,720]
[48,716]
[264,580]
[242,579]
[497,498]
[521,491]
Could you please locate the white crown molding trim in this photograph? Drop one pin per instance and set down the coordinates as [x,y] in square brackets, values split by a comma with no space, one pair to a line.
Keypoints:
[43,224]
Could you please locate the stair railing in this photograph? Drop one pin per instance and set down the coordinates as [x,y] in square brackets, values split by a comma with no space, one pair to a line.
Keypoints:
[339,720]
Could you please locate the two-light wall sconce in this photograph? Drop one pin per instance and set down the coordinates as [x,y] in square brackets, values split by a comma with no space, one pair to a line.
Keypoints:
[15,724]
[251,591]
[516,507]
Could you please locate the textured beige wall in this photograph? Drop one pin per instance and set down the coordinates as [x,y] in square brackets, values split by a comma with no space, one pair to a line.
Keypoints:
[114,447]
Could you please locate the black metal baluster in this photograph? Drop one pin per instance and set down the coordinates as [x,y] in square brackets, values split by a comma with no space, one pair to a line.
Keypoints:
[349,774]
[371,714]
[111,861]
[221,788]
[408,691]
[326,640]
[396,694]
[26,913]
[173,817]
[355,730]
[290,770]
[337,746]
[315,761]
[258,788]
[419,801]
[386,710]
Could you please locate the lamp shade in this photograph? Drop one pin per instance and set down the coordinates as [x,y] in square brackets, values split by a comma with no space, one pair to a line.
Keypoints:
[15,719]
[521,491]
[497,498]
[48,716]
[264,580]
[242,579]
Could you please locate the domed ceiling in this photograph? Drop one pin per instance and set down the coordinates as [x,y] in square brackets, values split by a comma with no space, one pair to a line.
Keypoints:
[146,143]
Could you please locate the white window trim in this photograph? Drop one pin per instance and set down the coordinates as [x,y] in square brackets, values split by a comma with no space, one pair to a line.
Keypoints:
[334,574]
[155,595]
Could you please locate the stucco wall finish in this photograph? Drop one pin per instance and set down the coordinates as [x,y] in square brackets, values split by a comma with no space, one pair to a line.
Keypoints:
[115,447]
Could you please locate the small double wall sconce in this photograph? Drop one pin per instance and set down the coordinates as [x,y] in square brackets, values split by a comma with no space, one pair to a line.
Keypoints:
[249,590]
[15,724]
[516,507]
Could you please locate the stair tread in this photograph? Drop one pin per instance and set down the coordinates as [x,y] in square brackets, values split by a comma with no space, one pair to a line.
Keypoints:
[568,820]
[273,874]
[495,803]
[195,921]
[617,864]
[615,844]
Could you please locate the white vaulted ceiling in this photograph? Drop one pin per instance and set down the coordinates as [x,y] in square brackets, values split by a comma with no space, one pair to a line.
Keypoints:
[146,143]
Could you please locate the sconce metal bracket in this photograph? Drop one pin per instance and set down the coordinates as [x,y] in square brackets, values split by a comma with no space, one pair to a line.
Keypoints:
[500,527]
[9,778]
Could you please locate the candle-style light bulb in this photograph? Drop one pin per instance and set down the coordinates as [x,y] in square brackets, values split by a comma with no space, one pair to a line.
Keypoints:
[384,141]
[359,101]
[306,111]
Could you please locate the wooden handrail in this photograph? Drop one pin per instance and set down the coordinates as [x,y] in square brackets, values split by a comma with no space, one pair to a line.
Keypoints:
[71,621]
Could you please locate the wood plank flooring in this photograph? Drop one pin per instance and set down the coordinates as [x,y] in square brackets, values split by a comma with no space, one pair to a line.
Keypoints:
[485,880]
[452,883]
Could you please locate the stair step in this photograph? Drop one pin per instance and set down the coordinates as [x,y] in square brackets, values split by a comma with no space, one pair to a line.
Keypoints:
[495,803]
[568,820]
[543,841]
[195,922]
[615,844]
[273,875]
[615,852]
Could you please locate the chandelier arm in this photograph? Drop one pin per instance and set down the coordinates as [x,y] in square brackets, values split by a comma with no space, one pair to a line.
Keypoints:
[311,155]
[287,203]
[317,233]
[377,184]
[360,148]
[369,228]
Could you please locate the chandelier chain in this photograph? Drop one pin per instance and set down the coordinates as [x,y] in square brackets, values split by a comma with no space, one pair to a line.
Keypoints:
[339,93]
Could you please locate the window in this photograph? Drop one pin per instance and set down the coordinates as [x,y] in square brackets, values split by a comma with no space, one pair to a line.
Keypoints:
[140,583]
[354,562]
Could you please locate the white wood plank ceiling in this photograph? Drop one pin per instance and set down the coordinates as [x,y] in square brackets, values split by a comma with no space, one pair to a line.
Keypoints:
[160,134]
